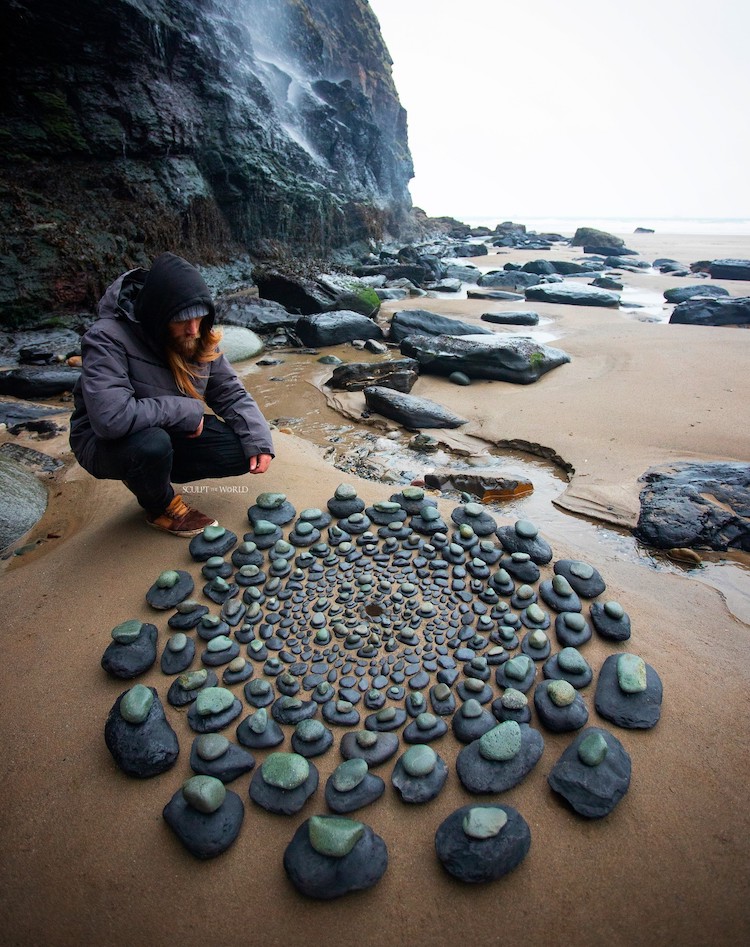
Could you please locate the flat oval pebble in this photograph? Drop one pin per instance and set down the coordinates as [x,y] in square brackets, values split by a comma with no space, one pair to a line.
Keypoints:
[270,501]
[334,836]
[561,585]
[204,793]
[502,742]
[127,631]
[614,610]
[419,760]
[484,821]
[285,770]
[514,700]
[213,700]
[631,673]
[526,529]
[177,642]
[210,746]
[581,570]
[349,774]
[219,643]
[212,533]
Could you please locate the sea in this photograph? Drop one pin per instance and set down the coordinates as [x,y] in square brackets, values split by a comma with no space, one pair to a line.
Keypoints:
[727,226]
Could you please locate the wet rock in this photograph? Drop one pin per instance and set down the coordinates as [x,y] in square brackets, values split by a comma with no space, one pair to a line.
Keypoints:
[573,294]
[204,834]
[330,856]
[524,537]
[476,844]
[263,316]
[731,311]
[633,710]
[593,773]
[141,747]
[35,383]
[499,357]
[421,322]
[682,293]
[409,410]
[513,279]
[335,328]
[591,236]
[730,269]
[400,374]
[511,318]
[702,505]
[132,649]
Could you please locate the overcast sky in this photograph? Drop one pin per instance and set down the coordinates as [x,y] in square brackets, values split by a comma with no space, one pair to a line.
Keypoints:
[556,108]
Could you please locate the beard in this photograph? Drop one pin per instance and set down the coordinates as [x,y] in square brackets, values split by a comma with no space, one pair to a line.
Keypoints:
[186,348]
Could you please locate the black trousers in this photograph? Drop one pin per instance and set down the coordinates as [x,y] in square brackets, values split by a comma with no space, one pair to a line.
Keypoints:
[150,461]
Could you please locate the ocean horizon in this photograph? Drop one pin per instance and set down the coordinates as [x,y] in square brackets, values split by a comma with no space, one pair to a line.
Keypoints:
[728,226]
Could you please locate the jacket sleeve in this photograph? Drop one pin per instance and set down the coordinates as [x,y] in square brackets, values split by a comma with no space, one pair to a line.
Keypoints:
[111,404]
[228,397]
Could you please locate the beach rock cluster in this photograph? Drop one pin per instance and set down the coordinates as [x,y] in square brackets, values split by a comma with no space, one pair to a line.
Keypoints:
[378,631]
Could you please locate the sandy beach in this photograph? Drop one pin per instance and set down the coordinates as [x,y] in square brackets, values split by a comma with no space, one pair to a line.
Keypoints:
[87,857]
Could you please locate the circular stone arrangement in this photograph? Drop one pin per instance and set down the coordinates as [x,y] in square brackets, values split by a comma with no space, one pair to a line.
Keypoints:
[378,632]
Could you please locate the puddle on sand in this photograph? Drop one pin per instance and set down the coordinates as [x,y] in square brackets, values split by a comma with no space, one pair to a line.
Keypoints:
[288,393]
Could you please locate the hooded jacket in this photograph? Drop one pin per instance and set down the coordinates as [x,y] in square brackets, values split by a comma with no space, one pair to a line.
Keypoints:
[126,384]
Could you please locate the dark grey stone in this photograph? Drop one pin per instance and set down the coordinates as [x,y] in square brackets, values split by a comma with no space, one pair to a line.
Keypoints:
[168,598]
[386,746]
[419,789]
[592,791]
[282,801]
[335,328]
[724,311]
[479,775]
[205,834]
[480,860]
[421,322]
[639,711]
[175,662]
[559,719]
[141,749]
[211,723]
[585,587]
[232,764]
[573,294]
[412,412]
[371,788]
[129,660]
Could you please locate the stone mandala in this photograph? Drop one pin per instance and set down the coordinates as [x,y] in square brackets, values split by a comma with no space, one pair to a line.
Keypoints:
[373,631]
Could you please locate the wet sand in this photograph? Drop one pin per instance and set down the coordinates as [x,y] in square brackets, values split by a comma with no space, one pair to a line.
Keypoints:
[87,857]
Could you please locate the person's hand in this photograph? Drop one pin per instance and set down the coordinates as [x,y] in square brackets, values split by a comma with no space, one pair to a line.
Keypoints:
[198,431]
[260,463]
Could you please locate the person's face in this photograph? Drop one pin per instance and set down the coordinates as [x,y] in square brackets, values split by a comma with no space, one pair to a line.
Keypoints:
[184,336]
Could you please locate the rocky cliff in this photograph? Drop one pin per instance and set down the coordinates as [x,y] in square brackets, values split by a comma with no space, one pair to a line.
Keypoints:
[210,127]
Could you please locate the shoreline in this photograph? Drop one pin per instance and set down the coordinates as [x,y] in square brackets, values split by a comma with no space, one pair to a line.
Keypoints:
[88,856]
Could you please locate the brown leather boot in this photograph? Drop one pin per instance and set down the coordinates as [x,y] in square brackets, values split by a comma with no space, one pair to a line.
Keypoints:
[180,520]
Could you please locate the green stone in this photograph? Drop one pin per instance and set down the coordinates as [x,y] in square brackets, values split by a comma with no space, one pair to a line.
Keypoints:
[357,517]
[417,699]
[349,774]
[193,679]
[304,529]
[426,721]
[386,714]
[323,688]
[210,746]
[474,685]
[310,731]
[212,533]
[214,562]
[501,577]
[631,674]
[219,643]
[561,693]
[592,749]
[344,706]
[465,532]
[290,703]
[517,668]
[322,636]
[258,687]
[581,570]
[471,709]
[231,607]
[270,501]
[186,606]
[256,645]
[513,699]
[574,620]
[285,770]
[127,631]
[264,528]
[366,738]
[501,743]
[136,703]
[259,720]
[177,642]
[537,639]
[561,586]
[210,621]
[572,661]
[520,556]
[213,700]
[614,610]
[386,506]
[332,835]
[204,793]
[283,548]
[429,513]
[413,493]
[473,509]
[484,822]
[168,579]
[524,592]
[247,547]
[344,491]
[419,760]
[442,692]
[311,513]
[526,529]
[219,585]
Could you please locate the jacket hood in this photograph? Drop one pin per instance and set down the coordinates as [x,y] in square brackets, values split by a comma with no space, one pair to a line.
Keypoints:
[171,285]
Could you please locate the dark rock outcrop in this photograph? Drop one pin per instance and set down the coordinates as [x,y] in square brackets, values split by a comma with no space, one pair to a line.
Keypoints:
[325,293]
[702,505]
[730,269]
[511,318]
[203,126]
[515,359]
[38,382]
[682,293]
[588,236]
[408,322]
[514,279]
[722,311]
[333,328]
[573,294]
[398,373]
[251,312]
[414,413]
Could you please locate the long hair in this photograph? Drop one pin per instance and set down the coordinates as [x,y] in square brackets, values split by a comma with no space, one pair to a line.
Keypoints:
[185,372]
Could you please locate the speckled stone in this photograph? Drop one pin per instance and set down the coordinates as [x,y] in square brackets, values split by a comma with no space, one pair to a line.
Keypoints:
[325,876]
[185,688]
[519,673]
[476,860]
[559,706]
[275,798]
[568,665]
[203,719]
[592,788]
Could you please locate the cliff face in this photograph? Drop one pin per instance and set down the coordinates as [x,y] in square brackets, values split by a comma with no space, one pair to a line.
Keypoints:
[202,126]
